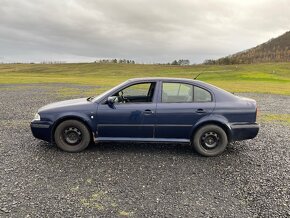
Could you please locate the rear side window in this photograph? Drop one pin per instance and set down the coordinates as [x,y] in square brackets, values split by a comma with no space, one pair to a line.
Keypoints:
[184,93]
[177,93]
[201,95]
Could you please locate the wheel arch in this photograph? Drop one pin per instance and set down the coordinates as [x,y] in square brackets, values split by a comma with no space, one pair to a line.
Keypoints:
[71,117]
[219,123]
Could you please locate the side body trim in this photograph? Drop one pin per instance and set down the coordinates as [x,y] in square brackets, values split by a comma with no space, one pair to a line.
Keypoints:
[125,139]
[172,125]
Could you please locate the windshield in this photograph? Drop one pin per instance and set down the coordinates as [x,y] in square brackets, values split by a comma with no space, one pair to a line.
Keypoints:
[96,98]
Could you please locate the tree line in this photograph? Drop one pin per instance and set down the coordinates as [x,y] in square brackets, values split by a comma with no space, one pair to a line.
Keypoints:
[115,61]
[180,62]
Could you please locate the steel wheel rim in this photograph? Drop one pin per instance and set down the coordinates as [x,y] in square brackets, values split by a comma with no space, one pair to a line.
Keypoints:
[210,140]
[72,135]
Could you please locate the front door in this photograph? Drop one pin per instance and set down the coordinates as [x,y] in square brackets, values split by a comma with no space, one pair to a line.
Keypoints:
[131,116]
[180,107]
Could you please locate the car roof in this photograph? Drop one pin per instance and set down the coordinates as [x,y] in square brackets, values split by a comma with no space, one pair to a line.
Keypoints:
[171,79]
[168,79]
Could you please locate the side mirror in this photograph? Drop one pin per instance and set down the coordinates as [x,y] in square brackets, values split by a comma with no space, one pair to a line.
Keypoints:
[111,100]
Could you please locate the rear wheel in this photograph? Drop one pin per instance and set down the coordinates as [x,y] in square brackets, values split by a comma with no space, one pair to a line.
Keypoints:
[210,140]
[72,136]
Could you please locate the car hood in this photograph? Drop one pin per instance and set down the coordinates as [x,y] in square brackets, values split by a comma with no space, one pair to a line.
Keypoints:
[67,103]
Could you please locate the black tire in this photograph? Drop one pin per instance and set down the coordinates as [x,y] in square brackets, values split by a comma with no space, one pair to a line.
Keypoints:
[210,140]
[72,136]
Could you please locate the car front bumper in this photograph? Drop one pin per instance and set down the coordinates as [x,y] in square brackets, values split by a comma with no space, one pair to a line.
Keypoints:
[41,130]
[243,131]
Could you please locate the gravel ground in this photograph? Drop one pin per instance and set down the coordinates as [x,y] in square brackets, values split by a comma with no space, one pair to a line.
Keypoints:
[251,178]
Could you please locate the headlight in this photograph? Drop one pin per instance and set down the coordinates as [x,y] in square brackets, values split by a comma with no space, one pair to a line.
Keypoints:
[36,117]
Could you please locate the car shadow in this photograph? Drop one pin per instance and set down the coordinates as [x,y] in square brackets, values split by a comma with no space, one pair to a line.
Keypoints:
[141,147]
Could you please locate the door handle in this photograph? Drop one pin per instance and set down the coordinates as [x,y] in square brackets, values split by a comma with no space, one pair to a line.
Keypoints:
[148,112]
[200,111]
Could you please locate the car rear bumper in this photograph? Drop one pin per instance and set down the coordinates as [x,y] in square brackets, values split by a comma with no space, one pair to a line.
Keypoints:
[41,130]
[244,131]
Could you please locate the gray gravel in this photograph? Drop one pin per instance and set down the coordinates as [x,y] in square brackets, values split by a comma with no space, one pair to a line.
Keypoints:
[251,179]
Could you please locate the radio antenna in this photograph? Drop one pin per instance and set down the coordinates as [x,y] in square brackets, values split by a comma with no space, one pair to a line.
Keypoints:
[197,76]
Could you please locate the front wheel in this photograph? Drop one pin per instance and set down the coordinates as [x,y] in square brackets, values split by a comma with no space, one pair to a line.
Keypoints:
[210,140]
[72,136]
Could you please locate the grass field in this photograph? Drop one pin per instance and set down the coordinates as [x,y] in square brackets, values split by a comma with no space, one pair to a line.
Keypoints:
[271,78]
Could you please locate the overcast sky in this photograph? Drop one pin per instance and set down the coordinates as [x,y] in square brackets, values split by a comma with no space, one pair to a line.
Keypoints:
[144,30]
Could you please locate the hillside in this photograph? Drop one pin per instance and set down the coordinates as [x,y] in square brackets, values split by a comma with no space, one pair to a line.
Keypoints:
[275,50]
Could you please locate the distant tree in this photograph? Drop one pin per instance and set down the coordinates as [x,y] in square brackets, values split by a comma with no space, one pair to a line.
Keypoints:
[180,62]
[184,62]
[174,62]
[209,62]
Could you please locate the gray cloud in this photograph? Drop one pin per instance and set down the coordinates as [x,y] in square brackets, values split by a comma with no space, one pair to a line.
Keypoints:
[144,30]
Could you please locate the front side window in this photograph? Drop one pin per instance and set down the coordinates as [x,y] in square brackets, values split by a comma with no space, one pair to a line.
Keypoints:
[177,93]
[141,92]
[141,89]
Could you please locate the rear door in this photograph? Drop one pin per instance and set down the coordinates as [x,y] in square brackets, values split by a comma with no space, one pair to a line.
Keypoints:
[179,107]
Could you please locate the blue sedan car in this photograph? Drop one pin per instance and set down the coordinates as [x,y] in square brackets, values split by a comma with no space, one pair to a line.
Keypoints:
[151,110]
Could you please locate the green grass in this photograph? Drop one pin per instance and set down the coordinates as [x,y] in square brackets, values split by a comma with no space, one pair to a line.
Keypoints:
[261,78]
[280,118]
